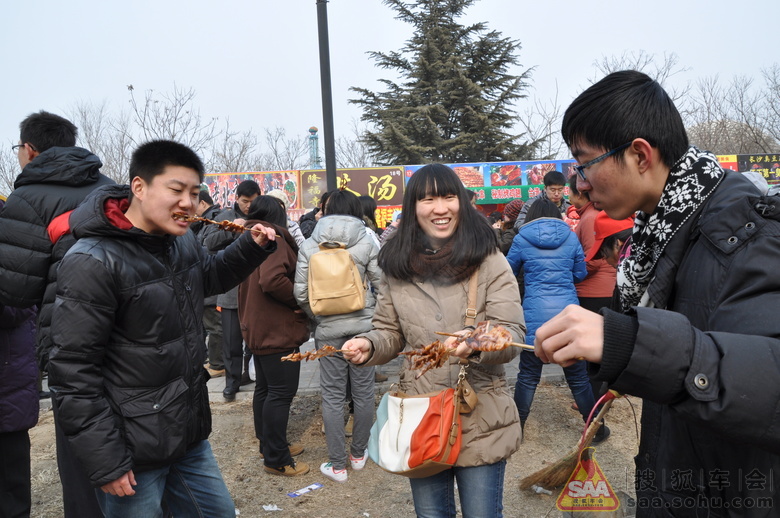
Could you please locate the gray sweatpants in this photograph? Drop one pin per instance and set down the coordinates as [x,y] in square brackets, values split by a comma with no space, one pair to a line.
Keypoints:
[334,373]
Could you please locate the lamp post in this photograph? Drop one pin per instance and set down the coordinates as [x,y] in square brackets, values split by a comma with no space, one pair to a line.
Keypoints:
[327,97]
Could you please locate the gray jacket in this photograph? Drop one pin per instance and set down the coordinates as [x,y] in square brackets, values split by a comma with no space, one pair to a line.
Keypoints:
[215,240]
[352,231]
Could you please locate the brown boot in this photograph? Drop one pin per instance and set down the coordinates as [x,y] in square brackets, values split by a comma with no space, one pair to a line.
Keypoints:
[291,470]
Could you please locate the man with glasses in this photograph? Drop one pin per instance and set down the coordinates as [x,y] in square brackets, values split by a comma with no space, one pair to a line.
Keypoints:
[56,176]
[554,184]
[695,330]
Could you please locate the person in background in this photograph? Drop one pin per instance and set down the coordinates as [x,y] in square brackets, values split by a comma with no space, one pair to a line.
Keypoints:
[554,186]
[391,228]
[129,378]
[216,239]
[274,326]
[696,335]
[212,321]
[506,233]
[552,261]
[343,223]
[309,220]
[56,176]
[18,406]
[292,226]
[610,238]
[427,267]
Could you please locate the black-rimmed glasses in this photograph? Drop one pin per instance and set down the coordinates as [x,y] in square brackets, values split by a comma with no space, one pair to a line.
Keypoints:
[581,168]
[16,147]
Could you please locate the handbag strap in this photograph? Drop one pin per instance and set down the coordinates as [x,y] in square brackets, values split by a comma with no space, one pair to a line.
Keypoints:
[471,309]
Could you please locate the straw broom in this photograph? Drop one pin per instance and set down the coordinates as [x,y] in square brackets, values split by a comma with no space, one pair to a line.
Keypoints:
[558,473]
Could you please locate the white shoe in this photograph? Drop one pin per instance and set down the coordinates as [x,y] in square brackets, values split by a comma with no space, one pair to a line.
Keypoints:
[339,475]
[358,463]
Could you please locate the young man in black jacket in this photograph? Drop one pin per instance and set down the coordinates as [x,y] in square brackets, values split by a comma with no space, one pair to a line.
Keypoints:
[126,368]
[695,334]
[56,176]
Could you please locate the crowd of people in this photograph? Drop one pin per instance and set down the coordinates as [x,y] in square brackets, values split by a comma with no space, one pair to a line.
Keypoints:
[654,278]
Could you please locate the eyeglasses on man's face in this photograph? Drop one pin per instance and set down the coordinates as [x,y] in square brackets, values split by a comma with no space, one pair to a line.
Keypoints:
[581,168]
[17,147]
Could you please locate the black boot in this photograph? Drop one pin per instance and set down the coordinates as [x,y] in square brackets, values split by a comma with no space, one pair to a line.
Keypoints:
[602,433]
[245,379]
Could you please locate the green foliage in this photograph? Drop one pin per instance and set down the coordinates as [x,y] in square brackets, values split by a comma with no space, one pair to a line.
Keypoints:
[455,101]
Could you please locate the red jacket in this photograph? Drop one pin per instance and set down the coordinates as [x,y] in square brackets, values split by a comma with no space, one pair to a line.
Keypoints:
[271,321]
[601,278]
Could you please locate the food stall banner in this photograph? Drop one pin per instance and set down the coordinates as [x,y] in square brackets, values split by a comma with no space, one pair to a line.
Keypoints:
[384,184]
[222,186]
[502,195]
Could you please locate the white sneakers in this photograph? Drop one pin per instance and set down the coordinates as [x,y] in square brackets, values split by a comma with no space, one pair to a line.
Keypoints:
[358,463]
[339,475]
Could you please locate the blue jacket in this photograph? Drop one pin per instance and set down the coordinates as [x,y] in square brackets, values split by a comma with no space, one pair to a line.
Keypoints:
[552,261]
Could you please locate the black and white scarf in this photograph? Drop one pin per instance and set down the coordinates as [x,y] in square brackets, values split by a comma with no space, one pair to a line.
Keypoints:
[691,180]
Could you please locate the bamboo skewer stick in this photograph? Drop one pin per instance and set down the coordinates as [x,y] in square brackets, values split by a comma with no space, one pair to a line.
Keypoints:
[513,344]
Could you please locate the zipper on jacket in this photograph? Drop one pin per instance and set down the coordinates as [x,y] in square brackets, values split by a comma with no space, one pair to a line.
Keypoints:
[400,423]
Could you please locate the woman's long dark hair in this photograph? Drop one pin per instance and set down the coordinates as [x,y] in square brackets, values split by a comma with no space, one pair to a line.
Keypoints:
[472,241]
[268,209]
[542,208]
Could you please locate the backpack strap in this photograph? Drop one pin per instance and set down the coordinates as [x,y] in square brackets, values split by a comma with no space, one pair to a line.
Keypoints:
[471,309]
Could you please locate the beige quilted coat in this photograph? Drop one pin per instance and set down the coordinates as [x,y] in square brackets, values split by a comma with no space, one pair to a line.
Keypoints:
[407,316]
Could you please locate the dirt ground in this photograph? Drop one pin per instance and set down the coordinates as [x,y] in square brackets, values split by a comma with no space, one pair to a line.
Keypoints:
[551,431]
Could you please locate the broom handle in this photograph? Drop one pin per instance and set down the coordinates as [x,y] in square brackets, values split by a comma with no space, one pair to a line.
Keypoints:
[513,344]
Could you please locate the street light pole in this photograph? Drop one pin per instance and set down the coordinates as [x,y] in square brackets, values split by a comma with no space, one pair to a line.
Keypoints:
[327,97]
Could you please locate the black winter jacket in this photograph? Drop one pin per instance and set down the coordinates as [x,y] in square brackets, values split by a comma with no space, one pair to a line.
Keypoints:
[126,369]
[708,366]
[56,181]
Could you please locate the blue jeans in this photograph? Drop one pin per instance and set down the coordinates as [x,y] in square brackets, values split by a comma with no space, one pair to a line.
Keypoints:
[481,490]
[191,486]
[530,374]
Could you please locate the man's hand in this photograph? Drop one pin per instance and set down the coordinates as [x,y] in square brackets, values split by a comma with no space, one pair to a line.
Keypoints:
[240,221]
[357,350]
[262,235]
[123,486]
[573,334]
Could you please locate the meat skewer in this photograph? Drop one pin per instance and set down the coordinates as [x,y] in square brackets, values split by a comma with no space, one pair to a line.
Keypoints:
[325,350]
[483,338]
[223,225]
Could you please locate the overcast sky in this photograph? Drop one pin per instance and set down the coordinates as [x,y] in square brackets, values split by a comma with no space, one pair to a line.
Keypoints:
[256,61]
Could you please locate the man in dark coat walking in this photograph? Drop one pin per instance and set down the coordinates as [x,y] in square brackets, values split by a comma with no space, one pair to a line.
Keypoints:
[56,176]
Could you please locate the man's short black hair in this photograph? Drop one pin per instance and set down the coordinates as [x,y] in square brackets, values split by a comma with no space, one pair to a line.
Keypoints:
[624,106]
[554,178]
[573,185]
[204,195]
[248,188]
[44,130]
[151,159]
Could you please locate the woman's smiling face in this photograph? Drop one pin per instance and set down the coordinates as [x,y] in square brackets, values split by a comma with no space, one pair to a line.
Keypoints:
[438,217]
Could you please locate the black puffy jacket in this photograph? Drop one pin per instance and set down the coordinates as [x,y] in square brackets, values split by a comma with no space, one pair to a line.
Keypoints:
[56,181]
[708,366]
[126,369]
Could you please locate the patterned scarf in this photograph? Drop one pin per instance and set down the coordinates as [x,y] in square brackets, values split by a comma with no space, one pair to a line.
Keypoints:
[691,180]
[437,264]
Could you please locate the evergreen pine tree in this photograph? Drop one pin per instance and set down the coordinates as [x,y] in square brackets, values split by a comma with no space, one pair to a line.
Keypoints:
[456,99]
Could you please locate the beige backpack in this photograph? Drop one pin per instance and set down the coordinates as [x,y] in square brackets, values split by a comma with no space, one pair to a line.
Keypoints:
[335,286]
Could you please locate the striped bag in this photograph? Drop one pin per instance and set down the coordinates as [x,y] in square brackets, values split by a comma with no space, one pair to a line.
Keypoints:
[419,436]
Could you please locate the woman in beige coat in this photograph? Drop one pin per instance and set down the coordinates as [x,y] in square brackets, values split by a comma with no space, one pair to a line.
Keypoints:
[426,268]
